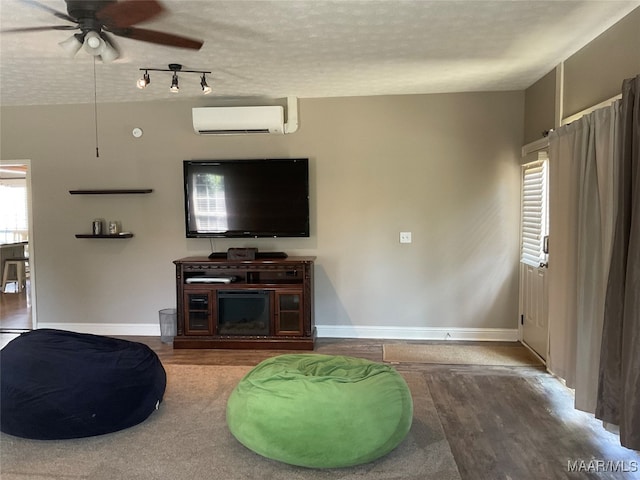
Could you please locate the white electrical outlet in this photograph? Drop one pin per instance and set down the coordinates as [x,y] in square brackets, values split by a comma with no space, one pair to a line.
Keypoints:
[405,237]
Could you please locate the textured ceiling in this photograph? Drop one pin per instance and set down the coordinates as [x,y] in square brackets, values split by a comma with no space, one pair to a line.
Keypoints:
[308,48]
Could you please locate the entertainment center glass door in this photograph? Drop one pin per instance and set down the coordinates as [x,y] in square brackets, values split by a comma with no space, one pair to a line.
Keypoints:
[197,316]
[289,312]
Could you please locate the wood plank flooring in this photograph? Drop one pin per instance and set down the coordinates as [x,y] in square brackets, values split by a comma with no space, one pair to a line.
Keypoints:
[15,309]
[518,427]
[511,423]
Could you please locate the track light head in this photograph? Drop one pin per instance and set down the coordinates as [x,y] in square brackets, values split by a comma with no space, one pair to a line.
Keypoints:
[206,89]
[144,81]
[174,83]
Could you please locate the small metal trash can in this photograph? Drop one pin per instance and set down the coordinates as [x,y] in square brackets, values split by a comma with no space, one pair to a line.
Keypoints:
[168,325]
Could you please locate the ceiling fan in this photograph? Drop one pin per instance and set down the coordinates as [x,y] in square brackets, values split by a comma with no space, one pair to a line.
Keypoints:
[97,20]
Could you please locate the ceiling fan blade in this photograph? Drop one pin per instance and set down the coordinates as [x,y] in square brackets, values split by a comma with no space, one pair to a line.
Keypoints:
[161,38]
[47,8]
[39,29]
[128,12]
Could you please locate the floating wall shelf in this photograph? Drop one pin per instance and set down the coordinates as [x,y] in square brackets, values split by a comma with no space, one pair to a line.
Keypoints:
[119,235]
[111,191]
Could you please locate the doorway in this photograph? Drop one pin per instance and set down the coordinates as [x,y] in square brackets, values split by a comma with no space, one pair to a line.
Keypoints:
[534,256]
[17,302]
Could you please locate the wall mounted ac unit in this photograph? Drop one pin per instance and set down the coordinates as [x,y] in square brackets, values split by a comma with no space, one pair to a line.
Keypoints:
[238,120]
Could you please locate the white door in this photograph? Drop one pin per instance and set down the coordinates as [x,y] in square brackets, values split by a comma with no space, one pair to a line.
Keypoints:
[533,256]
[535,328]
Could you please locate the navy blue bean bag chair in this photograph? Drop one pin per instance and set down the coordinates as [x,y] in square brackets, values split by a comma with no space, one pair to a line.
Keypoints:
[56,384]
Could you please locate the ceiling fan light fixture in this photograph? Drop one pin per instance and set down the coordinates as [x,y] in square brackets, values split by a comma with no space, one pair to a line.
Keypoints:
[107,53]
[72,44]
[206,89]
[97,20]
[174,83]
[144,81]
[93,43]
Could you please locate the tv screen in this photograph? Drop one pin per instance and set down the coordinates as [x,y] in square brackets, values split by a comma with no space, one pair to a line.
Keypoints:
[247,198]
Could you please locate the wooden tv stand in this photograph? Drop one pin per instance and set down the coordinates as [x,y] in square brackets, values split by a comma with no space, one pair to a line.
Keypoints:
[212,313]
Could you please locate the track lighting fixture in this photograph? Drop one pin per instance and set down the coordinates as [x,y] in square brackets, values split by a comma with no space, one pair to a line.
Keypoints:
[175,68]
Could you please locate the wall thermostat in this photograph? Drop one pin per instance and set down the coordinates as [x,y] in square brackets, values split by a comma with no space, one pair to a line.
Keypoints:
[137,132]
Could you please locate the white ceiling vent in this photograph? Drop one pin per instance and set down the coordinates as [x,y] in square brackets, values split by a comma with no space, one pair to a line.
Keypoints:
[238,120]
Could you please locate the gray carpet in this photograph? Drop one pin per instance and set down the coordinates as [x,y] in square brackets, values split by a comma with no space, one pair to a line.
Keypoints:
[187,438]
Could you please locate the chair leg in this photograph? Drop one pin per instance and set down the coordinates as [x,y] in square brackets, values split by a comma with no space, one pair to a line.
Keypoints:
[5,277]
[20,275]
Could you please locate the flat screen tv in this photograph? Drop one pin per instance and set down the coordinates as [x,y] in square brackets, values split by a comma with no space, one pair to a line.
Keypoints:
[247,198]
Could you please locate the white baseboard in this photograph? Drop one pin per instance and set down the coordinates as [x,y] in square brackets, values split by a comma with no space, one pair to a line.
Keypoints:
[110,329]
[323,331]
[418,333]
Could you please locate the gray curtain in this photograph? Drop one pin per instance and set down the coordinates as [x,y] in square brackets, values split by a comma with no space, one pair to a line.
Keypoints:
[618,400]
[582,182]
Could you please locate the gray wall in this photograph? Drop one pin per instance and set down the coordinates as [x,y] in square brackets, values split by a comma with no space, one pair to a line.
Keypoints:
[539,107]
[595,73]
[444,167]
[591,75]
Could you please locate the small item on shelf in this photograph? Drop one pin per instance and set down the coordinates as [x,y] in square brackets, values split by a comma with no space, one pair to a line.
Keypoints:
[113,228]
[97,226]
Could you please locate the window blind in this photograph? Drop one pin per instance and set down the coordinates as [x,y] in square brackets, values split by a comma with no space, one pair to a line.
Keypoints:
[534,211]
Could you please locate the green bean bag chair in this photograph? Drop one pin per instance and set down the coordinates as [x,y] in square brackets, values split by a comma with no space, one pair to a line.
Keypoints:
[320,411]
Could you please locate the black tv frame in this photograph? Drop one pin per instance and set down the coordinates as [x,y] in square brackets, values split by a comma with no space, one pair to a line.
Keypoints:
[292,233]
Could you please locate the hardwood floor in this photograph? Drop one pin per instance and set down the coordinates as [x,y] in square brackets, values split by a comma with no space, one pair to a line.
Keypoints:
[15,309]
[512,423]
[518,426]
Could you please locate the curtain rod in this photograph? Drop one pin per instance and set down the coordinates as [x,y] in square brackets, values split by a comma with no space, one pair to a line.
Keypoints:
[543,143]
[587,111]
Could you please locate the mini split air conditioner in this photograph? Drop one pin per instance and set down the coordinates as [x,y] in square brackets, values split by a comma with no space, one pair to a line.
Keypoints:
[238,120]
